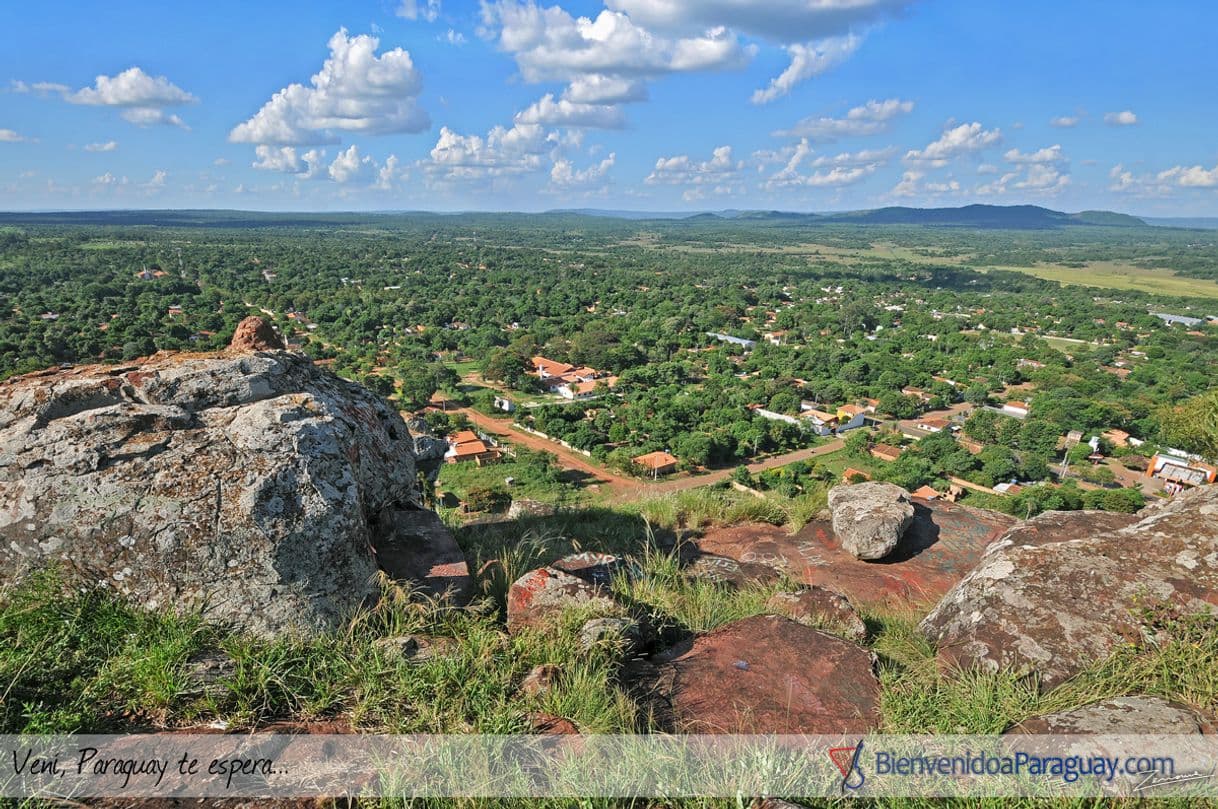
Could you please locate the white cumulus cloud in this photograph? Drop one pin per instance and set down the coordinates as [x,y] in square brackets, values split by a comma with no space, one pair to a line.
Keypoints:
[107,146]
[866,119]
[355,91]
[1122,118]
[954,142]
[807,61]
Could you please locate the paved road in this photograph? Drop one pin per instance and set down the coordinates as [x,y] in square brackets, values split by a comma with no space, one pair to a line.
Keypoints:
[618,487]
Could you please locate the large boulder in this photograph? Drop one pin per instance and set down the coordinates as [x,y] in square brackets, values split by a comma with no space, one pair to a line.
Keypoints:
[869,518]
[1062,591]
[252,486]
[767,674]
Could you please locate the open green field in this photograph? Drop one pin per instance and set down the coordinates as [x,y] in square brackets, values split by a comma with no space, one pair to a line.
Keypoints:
[1118,275]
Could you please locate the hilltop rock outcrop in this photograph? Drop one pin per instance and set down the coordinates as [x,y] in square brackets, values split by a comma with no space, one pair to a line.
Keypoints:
[1062,591]
[249,484]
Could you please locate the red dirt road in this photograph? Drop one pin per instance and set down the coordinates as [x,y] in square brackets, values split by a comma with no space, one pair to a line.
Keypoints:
[618,487]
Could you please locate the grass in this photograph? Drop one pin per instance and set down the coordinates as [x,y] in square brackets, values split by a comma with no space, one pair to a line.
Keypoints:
[1119,275]
[85,662]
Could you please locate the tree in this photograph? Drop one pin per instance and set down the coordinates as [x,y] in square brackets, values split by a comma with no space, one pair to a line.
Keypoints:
[857,443]
[1193,425]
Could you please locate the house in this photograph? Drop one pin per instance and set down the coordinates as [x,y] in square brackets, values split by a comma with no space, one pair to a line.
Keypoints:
[926,493]
[1011,488]
[175,311]
[505,404]
[1118,438]
[818,421]
[465,445]
[1172,320]
[1181,469]
[1119,373]
[917,393]
[851,474]
[547,368]
[850,417]
[933,425]
[49,316]
[1026,363]
[870,405]
[582,391]
[1017,409]
[657,463]
[885,452]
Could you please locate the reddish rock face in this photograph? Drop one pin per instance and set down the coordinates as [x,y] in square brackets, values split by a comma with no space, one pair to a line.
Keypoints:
[255,334]
[943,544]
[768,674]
[539,596]
[816,606]
[1062,591]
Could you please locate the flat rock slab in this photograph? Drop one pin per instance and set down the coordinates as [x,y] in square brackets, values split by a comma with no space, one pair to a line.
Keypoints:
[1061,592]
[416,546]
[942,545]
[769,674]
[730,573]
[1119,717]
[538,597]
[591,566]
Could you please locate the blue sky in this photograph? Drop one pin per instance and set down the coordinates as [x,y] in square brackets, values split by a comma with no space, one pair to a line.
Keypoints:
[642,104]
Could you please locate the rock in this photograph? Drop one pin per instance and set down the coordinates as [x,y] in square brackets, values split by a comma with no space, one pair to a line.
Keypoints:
[593,567]
[945,542]
[416,546]
[249,487]
[768,674]
[530,508]
[207,673]
[624,635]
[418,648]
[819,607]
[1062,591]
[869,518]
[255,334]
[551,725]
[730,572]
[540,679]
[1123,716]
[538,597]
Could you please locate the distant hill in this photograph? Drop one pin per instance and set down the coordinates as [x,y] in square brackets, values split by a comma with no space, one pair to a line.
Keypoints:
[1010,217]
[1004,217]
[1014,217]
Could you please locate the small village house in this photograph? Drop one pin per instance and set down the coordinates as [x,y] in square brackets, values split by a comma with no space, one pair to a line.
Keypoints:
[657,463]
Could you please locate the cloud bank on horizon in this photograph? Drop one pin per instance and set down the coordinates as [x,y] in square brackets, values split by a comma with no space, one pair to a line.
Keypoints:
[520,104]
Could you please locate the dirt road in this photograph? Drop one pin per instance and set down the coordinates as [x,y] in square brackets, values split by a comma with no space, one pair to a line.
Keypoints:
[618,487]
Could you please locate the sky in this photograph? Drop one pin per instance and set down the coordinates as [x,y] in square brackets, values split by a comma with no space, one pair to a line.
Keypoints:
[658,105]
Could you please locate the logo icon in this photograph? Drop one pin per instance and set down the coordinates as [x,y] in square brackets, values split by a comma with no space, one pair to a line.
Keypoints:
[847,760]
